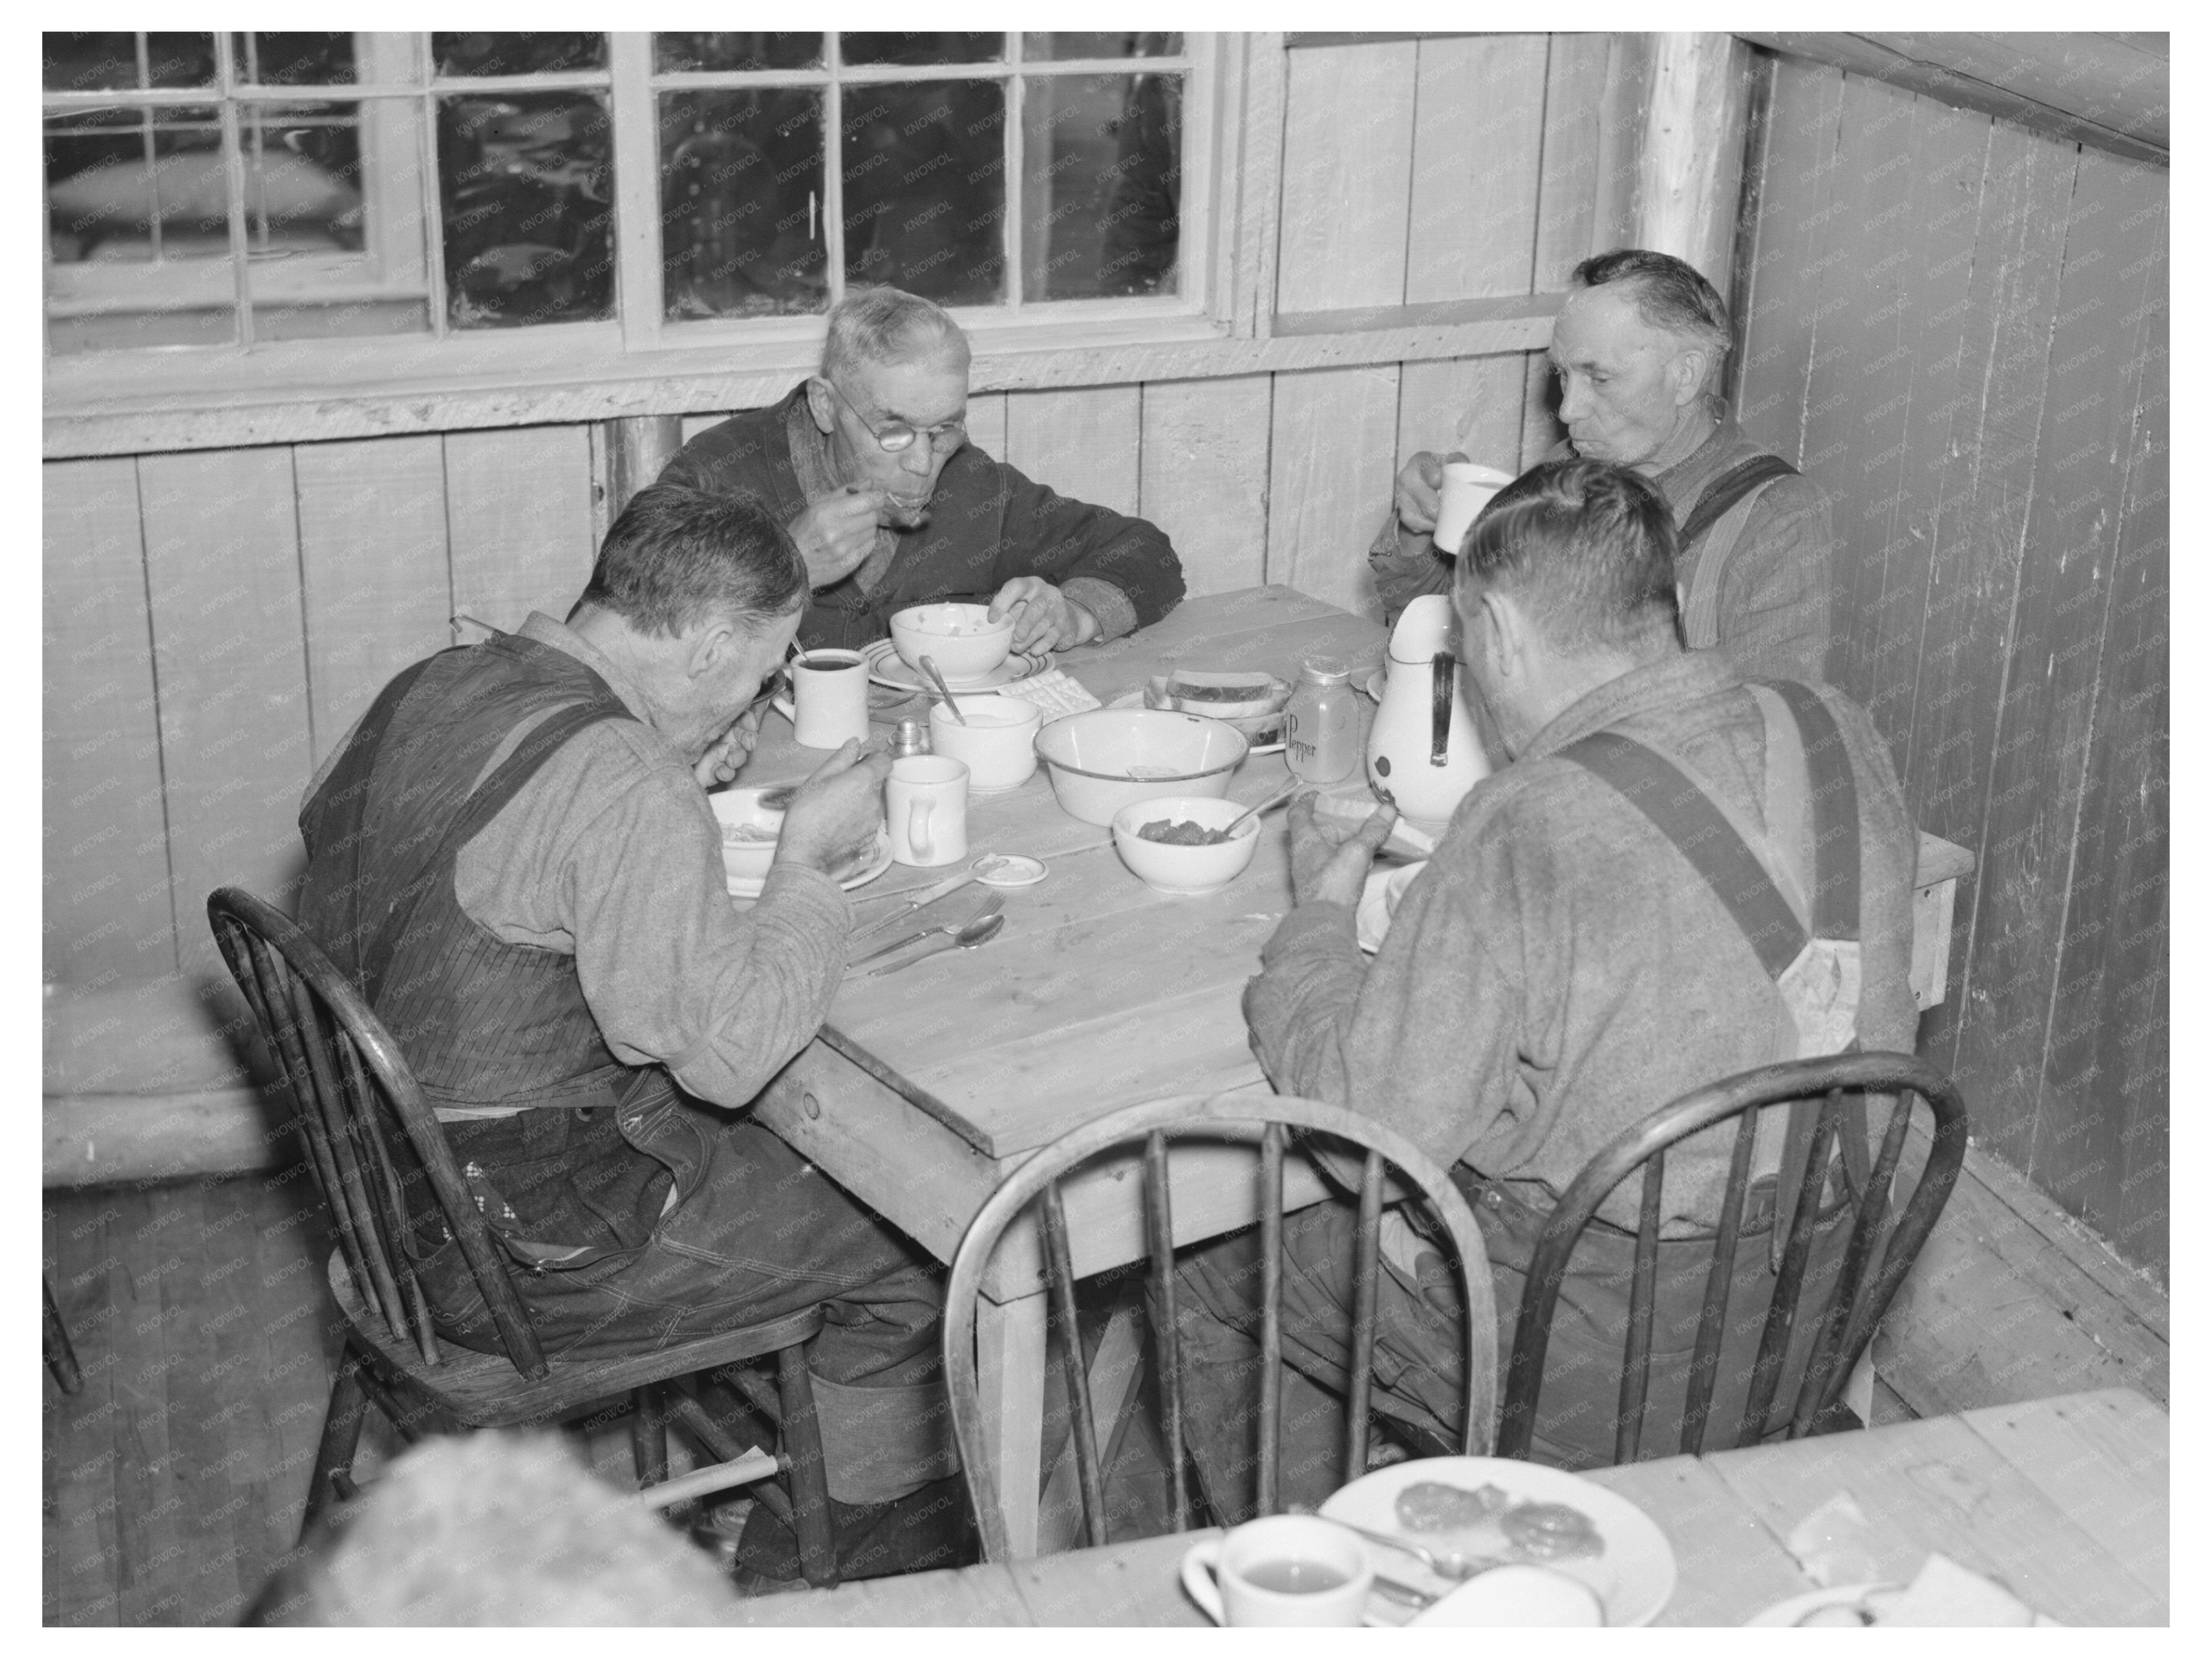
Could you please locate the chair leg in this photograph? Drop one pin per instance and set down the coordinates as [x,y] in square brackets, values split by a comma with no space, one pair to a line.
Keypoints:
[341,1437]
[809,1480]
[61,1358]
[648,1437]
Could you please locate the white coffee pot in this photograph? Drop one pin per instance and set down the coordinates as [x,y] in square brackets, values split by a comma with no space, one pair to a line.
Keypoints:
[1425,750]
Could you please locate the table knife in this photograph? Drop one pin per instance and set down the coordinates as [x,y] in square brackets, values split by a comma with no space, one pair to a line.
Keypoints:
[930,894]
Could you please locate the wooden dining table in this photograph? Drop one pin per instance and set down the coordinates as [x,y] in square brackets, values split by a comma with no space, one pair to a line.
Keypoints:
[926,1087]
[2063,1502]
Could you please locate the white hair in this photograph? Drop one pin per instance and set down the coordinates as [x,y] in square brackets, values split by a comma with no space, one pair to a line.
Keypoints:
[887,325]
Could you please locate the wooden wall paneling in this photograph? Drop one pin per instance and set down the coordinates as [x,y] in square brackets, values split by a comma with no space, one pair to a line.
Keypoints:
[2050,669]
[1777,316]
[1623,106]
[372,568]
[1981,523]
[518,521]
[222,570]
[105,870]
[1913,366]
[1347,157]
[1859,392]
[1477,146]
[987,424]
[1083,444]
[2100,1128]
[1329,477]
[1204,476]
[1566,230]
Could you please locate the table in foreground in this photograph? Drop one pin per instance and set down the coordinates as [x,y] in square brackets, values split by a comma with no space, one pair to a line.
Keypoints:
[928,1086]
[2064,1500]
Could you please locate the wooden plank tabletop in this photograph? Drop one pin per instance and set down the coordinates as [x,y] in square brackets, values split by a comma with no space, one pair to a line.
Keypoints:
[2022,1493]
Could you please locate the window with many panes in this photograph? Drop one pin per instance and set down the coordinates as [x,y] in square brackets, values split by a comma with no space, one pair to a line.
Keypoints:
[237,190]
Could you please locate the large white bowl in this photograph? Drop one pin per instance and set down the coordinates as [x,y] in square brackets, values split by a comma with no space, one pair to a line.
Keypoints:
[746,858]
[962,640]
[1103,761]
[1167,868]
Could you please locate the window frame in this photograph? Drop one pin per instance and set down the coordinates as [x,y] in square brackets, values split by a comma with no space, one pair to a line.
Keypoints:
[639,343]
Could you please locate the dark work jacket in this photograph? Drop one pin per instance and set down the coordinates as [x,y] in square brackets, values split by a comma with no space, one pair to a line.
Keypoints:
[987,525]
[481,1021]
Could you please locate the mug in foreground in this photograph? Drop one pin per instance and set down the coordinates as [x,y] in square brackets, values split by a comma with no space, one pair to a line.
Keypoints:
[1281,1570]
[926,804]
[830,689]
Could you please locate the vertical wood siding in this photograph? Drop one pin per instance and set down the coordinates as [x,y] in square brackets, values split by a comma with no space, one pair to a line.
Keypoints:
[1959,328]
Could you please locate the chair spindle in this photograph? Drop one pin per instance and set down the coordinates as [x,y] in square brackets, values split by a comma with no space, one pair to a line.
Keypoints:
[1712,1318]
[1781,1311]
[1167,1340]
[384,1186]
[1366,1287]
[1643,1290]
[1271,1314]
[1059,1270]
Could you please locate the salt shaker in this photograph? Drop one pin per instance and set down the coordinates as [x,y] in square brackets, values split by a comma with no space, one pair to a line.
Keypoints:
[911,739]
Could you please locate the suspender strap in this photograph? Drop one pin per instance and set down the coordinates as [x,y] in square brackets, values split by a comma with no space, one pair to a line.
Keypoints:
[481,808]
[1686,815]
[1835,896]
[1725,491]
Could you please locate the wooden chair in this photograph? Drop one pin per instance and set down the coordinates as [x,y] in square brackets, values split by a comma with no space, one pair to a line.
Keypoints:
[1853,1307]
[1265,1119]
[368,1128]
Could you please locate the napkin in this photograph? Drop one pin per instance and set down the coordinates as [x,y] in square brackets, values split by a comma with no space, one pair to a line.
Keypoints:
[1056,691]
[1945,1593]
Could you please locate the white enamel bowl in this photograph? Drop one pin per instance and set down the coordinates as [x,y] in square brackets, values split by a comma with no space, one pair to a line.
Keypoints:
[1184,871]
[962,640]
[746,857]
[1109,758]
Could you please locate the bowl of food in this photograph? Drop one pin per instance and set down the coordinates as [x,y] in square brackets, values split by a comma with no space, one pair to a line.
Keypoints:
[752,821]
[1107,759]
[962,640]
[1183,845]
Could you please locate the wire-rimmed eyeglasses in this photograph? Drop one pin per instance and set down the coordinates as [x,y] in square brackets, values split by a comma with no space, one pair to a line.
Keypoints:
[895,435]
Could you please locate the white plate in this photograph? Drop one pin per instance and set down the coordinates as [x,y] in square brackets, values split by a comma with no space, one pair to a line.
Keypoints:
[886,667]
[1784,1613]
[741,887]
[1373,684]
[1633,1577]
[1008,870]
[1136,700]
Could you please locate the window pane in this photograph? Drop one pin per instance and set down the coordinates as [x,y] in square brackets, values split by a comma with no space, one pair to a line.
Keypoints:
[925,188]
[293,60]
[917,48]
[517,54]
[128,186]
[334,216]
[90,63]
[741,203]
[678,53]
[1102,160]
[523,184]
[1061,47]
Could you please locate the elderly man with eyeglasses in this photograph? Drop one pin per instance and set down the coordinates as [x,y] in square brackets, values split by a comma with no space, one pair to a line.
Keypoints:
[868,465]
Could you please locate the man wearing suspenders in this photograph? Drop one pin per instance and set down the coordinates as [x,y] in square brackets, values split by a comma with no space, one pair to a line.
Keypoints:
[1681,876]
[1639,348]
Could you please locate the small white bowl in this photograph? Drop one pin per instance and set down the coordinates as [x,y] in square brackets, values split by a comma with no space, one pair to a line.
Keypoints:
[962,640]
[1103,760]
[1184,871]
[746,858]
[998,742]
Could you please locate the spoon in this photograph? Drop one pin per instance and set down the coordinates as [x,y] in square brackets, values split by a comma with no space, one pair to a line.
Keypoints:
[981,931]
[990,907]
[1445,1564]
[929,667]
[1283,794]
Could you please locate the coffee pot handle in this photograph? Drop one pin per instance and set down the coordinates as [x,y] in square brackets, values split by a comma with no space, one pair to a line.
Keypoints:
[1445,669]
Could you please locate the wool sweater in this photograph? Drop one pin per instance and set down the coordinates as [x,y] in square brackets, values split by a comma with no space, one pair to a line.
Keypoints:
[1558,972]
[986,525]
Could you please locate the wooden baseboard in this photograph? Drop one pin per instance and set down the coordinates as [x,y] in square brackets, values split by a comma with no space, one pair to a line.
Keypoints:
[2012,1299]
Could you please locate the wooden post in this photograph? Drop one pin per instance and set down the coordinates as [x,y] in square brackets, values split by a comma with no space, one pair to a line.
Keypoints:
[1690,165]
[627,454]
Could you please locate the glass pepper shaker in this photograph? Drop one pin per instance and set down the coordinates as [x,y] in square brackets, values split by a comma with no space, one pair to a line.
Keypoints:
[912,738]
[1321,726]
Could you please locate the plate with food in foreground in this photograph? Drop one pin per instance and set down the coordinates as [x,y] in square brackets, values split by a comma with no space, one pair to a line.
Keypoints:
[1470,1510]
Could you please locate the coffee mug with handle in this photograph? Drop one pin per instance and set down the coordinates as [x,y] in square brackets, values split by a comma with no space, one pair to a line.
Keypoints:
[830,690]
[1469,486]
[926,802]
[1281,1570]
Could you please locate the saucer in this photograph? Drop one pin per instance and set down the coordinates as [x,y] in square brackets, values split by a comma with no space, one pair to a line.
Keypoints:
[887,668]
[740,887]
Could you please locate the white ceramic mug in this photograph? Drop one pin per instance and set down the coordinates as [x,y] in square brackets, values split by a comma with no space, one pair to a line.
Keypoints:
[999,741]
[1281,1570]
[1469,486]
[831,688]
[926,804]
